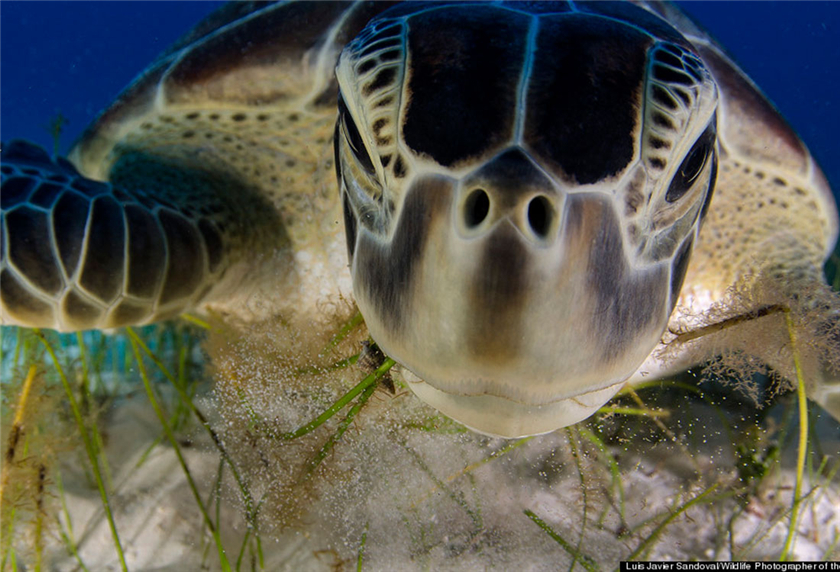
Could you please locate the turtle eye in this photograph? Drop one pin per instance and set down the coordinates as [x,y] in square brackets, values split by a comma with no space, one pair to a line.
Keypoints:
[354,138]
[692,165]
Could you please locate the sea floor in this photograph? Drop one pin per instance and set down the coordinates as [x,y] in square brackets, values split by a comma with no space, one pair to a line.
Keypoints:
[675,471]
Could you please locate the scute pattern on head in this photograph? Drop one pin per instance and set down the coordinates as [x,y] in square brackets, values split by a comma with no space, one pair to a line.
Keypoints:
[448,116]
[676,81]
[637,17]
[554,255]
[584,97]
[379,49]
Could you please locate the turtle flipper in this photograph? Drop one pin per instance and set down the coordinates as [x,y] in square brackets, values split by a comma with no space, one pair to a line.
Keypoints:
[78,254]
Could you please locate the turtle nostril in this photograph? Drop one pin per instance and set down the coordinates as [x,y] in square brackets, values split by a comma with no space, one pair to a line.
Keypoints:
[539,215]
[476,208]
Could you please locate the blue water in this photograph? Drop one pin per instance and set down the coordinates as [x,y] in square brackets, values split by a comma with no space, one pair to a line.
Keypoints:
[74,57]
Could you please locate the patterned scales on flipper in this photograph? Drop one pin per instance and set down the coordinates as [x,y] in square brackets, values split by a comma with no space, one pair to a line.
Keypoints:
[216,182]
[80,254]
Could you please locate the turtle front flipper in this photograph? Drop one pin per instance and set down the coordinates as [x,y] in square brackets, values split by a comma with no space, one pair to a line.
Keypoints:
[79,254]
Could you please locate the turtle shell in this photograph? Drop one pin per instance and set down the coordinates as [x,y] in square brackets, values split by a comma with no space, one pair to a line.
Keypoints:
[251,57]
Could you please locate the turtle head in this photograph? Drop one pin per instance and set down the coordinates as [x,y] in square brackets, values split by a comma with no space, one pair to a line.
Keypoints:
[521,196]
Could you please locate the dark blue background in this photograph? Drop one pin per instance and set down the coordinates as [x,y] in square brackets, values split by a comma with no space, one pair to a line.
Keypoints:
[74,57]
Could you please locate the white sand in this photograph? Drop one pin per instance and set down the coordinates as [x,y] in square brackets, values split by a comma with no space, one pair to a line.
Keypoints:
[383,482]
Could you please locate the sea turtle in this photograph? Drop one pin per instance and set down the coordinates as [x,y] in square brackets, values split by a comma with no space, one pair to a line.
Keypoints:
[521,188]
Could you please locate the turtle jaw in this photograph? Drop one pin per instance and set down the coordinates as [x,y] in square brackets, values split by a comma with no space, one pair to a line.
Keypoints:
[502,417]
[495,317]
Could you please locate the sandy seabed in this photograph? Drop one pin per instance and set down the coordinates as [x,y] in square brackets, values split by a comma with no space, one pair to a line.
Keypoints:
[405,489]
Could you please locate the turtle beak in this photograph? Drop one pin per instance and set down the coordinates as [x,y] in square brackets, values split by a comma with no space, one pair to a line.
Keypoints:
[502,284]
